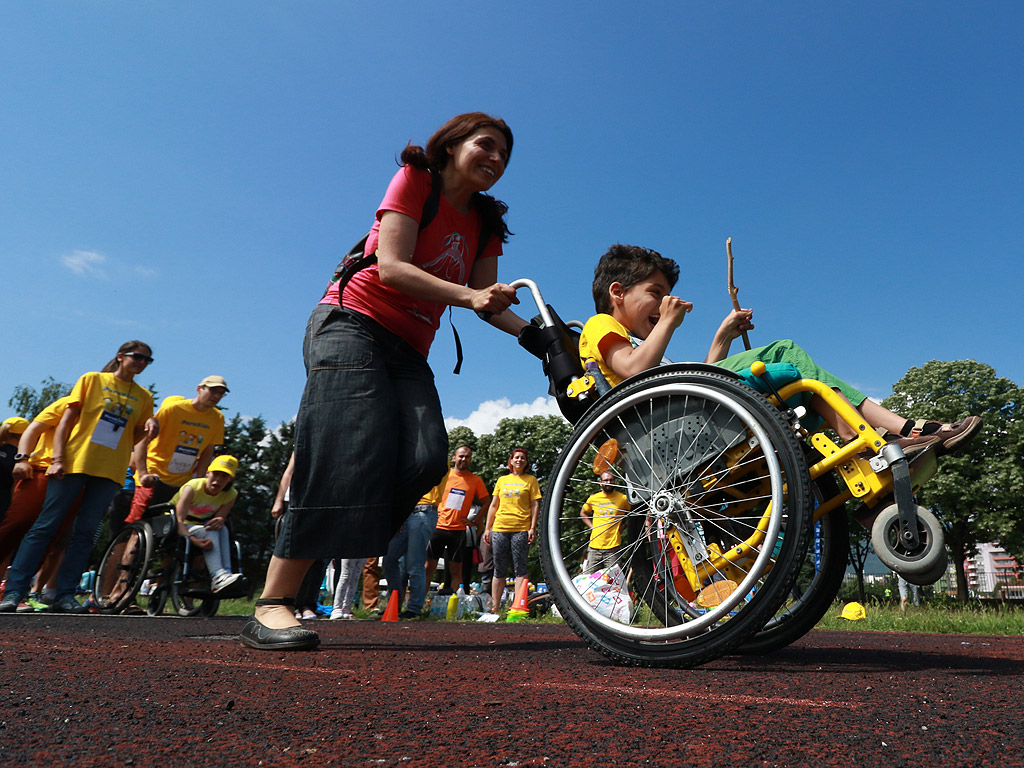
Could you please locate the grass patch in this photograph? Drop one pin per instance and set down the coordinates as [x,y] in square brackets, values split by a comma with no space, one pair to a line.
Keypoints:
[943,619]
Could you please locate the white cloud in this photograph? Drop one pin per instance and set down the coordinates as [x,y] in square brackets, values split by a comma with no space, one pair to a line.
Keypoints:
[85,263]
[485,418]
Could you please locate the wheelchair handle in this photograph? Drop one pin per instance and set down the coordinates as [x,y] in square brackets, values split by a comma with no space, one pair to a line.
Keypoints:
[542,307]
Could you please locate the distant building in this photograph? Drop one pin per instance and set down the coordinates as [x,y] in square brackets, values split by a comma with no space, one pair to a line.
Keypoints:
[992,570]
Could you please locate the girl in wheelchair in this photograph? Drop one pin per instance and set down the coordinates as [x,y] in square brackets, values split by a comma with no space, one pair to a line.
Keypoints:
[632,295]
[202,506]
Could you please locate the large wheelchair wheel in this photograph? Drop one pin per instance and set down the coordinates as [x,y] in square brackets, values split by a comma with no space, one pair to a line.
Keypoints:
[190,594]
[817,583]
[716,526]
[123,568]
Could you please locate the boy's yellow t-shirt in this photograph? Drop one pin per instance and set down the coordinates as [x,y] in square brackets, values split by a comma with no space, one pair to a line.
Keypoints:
[101,443]
[596,330]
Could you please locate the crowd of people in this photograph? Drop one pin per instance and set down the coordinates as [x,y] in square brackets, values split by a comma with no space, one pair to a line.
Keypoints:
[102,449]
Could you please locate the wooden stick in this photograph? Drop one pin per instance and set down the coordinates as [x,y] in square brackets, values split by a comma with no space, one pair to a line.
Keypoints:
[733,290]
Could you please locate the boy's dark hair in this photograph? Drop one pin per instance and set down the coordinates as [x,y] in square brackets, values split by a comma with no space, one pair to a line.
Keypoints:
[628,265]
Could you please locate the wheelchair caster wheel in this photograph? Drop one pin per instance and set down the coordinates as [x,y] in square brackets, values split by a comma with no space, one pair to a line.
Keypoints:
[888,545]
[929,577]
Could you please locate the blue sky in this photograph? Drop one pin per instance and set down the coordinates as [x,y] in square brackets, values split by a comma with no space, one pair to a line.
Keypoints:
[189,173]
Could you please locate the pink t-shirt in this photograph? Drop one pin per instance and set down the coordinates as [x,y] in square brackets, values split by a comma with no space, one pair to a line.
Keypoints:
[446,249]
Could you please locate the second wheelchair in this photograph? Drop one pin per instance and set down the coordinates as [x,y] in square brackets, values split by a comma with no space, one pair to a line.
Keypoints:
[151,550]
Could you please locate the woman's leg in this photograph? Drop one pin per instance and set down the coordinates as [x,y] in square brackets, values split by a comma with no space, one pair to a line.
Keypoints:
[284,577]
[96,497]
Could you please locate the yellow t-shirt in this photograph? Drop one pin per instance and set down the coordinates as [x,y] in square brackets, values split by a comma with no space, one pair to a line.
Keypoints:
[596,330]
[50,416]
[100,445]
[204,506]
[607,511]
[516,494]
[433,496]
[184,434]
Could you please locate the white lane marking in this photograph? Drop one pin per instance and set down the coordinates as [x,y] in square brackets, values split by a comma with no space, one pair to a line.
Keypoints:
[725,698]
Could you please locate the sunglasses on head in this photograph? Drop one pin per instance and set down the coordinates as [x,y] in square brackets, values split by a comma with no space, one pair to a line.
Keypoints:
[139,356]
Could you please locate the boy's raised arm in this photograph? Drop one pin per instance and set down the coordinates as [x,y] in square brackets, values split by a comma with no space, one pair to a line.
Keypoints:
[626,361]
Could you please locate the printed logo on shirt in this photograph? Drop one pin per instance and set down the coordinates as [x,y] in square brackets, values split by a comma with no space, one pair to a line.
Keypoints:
[451,264]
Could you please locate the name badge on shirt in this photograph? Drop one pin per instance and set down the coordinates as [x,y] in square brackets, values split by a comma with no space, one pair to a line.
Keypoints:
[456,498]
[108,430]
[183,460]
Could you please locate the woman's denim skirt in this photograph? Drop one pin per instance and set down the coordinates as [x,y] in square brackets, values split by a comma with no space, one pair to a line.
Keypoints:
[369,439]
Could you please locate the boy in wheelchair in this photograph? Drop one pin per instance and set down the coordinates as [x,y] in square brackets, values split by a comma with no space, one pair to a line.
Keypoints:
[202,506]
[632,295]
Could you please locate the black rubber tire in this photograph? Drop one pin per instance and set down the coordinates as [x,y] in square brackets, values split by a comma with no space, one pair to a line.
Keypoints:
[123,568]
[696,441]
[927,578]
[187,605]
[816,588]
[157,600]
[918,561]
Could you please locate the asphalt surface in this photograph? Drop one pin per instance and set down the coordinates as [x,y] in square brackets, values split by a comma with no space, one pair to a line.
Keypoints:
[112,691]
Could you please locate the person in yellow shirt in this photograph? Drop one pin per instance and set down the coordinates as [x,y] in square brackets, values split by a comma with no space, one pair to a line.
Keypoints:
[189,432]
[512,523]
[604,512]
[202,506]
[105,417]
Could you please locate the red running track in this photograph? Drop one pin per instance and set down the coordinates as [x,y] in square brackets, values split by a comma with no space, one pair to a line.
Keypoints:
[136,691]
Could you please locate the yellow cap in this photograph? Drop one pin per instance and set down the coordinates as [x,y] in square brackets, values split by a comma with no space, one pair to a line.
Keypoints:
[16,425]
[226,464]
[853,612]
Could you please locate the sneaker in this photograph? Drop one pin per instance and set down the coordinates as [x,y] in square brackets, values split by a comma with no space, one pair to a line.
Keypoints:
[68,605]
[24,607]
[224,579]
[39,603]
[10,602]
[340,613]
[409,615]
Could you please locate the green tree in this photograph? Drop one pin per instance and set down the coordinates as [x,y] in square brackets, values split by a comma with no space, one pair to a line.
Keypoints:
[460,436]
[262,457]
[542,436]
[977,492]
[27,402]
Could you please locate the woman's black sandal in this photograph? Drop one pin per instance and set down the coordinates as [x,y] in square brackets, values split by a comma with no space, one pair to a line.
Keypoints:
[257,635]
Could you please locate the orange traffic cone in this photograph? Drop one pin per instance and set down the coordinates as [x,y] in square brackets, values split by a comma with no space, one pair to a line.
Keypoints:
[520,608]
[391,612]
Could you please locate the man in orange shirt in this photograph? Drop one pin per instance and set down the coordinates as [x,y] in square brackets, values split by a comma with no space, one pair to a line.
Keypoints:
[461,492]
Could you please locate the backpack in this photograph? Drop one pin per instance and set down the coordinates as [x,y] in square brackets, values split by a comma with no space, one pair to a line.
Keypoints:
[356,258]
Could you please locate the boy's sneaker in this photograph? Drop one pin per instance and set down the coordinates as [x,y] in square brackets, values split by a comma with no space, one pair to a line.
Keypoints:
[224,579]
[10,602]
